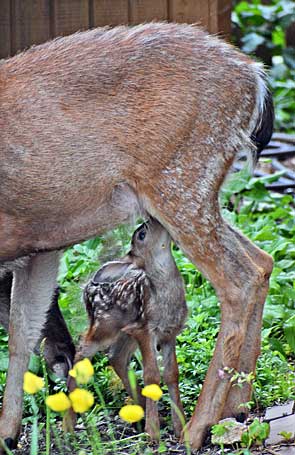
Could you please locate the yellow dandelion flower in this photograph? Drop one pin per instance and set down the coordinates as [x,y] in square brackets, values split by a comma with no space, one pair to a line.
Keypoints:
[82,371]
[131,413]
[58,402]
[81,400]
[32,383]
[152,391]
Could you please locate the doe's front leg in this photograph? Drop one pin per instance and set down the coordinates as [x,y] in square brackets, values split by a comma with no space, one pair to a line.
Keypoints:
[32,289]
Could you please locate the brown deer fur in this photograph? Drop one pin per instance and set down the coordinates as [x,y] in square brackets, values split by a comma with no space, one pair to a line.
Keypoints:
[101,125]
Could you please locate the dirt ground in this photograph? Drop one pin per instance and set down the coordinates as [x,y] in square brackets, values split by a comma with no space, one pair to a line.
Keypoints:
[171,445]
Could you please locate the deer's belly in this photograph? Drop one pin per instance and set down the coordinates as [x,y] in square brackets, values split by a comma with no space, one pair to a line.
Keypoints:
[24,232]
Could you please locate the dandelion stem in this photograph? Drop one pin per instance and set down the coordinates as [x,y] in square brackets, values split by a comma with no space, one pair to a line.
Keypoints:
[57,439]
[35,432]
[185,432]
[48,411]
[106,413]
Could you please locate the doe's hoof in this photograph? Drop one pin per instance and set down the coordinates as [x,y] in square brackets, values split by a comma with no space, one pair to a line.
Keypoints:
[241,417]
[10,443]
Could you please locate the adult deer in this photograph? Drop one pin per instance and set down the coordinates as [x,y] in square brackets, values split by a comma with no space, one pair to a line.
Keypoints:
[100,126]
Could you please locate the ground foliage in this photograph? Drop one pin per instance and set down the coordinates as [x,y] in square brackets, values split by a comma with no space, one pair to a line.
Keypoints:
[260,29]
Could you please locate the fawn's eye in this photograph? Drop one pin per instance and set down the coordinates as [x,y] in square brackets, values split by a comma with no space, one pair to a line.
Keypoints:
[141,235]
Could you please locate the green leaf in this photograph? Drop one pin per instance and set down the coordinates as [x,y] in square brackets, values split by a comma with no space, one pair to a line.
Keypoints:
[265,233]
[289,329]
[241,7]
[278,37]
[4,361]
[34,364]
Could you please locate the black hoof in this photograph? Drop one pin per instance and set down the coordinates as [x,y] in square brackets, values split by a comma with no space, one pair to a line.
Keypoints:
[241,417]
[10,443]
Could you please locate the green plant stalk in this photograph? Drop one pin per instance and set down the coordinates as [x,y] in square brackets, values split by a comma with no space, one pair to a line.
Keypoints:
[4,446]
[57,439]
[133,385]
[103,404]
[48,411]
[47,431]
[193,283]
[35,432]
[92,433]
[135,436]
[184,428]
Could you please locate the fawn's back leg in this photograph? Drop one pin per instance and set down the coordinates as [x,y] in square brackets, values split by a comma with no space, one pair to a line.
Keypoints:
[119,357]
[170,376]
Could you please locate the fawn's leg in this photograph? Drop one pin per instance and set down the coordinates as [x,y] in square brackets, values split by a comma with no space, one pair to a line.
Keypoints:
[119,357]
[87,348]
[32,290]
[251,346]
[151,375]
[171,379]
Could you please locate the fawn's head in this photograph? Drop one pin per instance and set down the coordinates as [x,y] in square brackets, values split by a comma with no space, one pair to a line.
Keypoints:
[151,246]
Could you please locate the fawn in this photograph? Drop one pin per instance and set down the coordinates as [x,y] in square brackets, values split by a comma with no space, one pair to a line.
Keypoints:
[103,125]
[139,300]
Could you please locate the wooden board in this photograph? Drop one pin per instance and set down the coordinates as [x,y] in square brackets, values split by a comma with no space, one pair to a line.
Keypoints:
[24,22]
[30,23]
[104,13]
[5,29]
[220,17]
[69,16]
[190,11]
[147,10]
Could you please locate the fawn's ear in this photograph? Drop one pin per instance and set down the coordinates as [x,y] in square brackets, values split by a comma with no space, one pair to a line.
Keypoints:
[134,329]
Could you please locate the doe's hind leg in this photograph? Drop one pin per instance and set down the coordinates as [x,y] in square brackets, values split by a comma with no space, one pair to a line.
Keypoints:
[251,346]
[240,283]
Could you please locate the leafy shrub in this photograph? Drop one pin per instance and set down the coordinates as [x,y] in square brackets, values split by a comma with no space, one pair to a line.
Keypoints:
[261,30]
